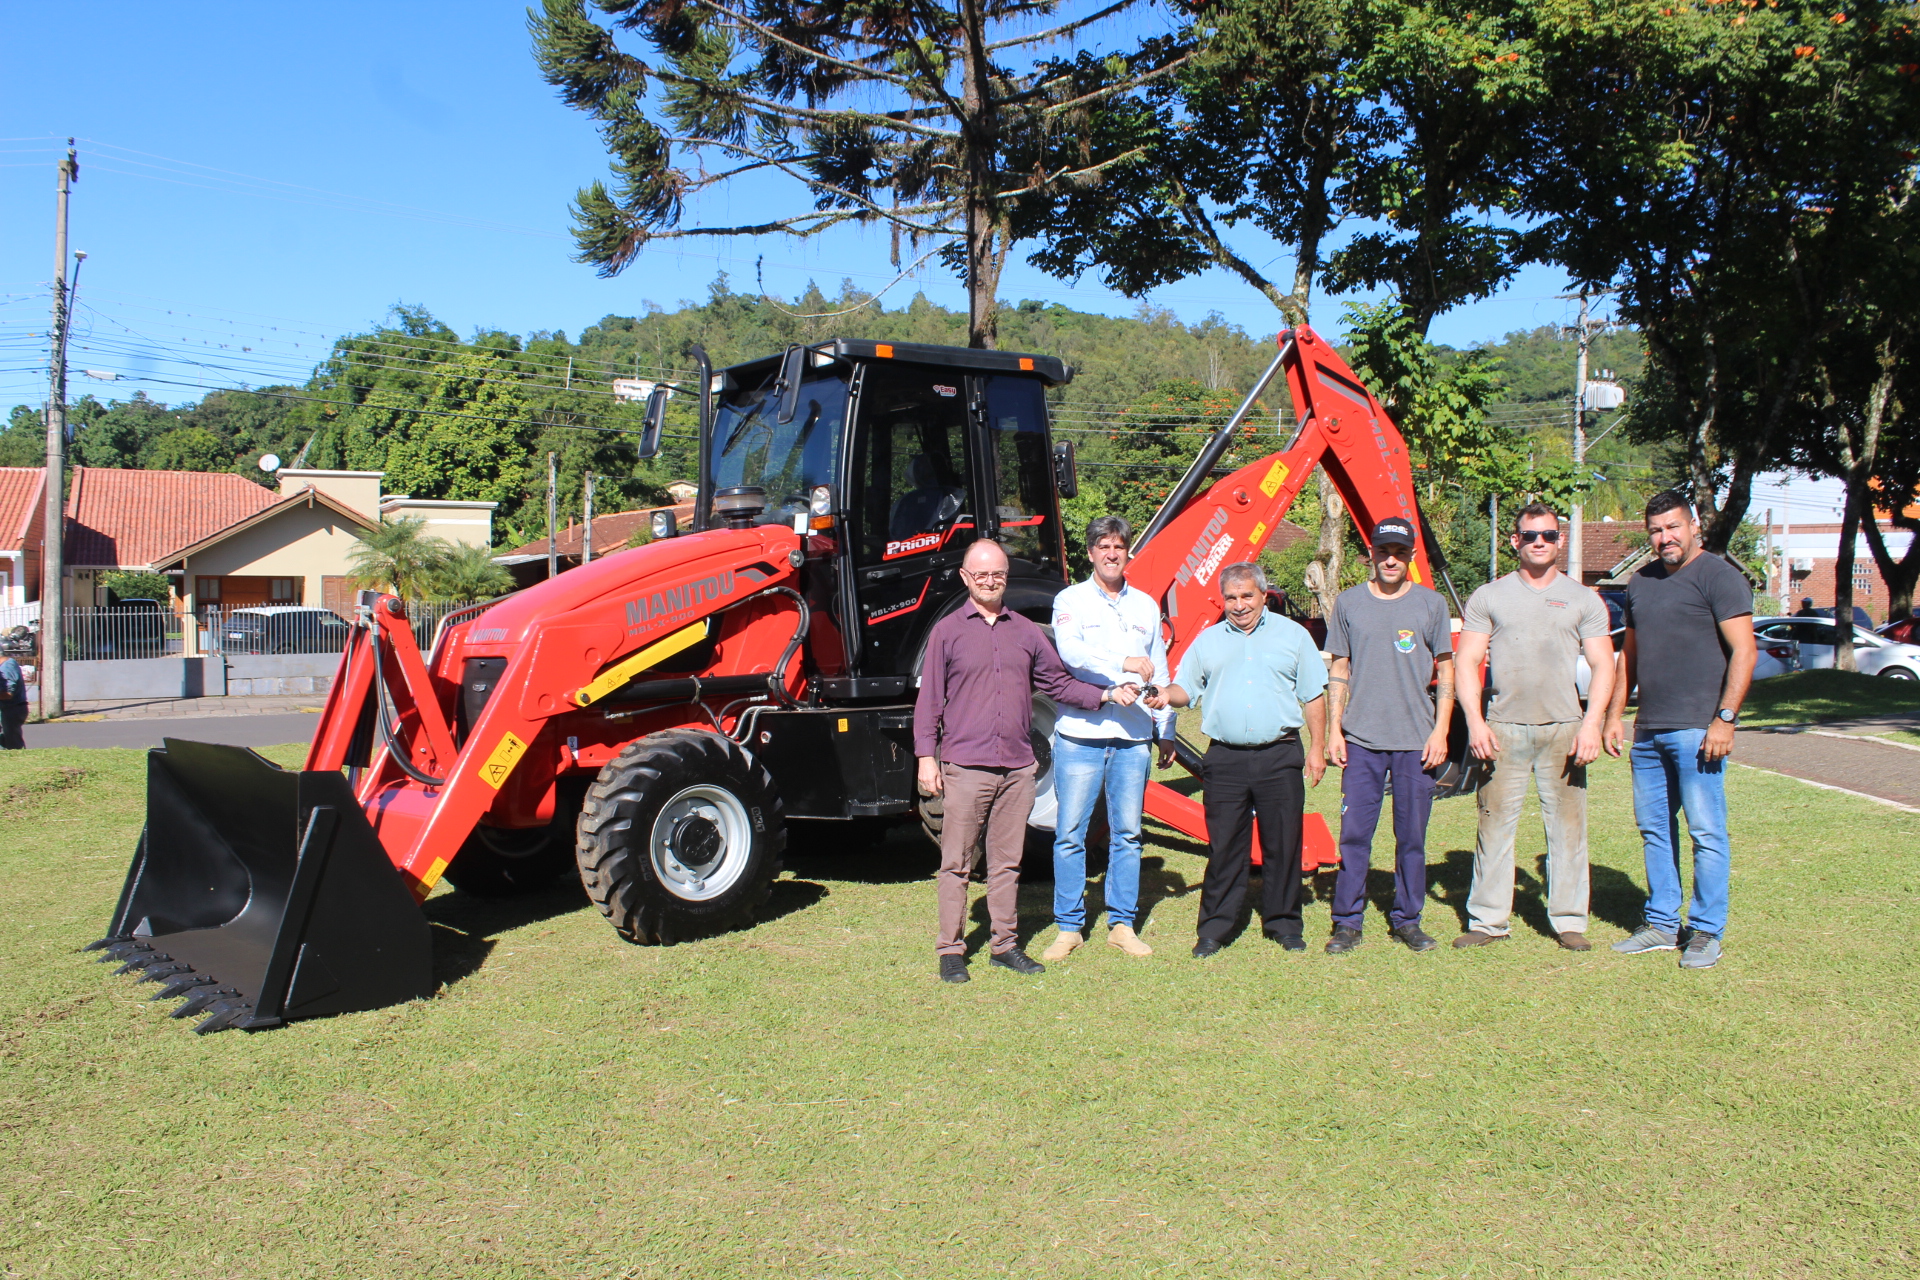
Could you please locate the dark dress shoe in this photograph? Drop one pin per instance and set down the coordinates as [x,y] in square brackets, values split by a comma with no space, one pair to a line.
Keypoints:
[1206,947]
[954,969]
[1289,941]
[1415,938]
[1343,941]
[1019,961]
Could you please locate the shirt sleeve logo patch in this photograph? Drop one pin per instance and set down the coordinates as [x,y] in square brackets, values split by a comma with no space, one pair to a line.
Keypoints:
[1404,641]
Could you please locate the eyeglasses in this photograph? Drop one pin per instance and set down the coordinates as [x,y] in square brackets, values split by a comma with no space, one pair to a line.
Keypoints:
[1548,536]
[989,578]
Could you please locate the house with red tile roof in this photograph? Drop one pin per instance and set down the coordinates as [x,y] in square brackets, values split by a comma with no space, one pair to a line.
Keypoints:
[22,522]
[611,532]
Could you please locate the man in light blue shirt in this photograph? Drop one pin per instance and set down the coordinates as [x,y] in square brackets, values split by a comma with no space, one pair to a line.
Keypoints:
[1108,633]
[1257,679]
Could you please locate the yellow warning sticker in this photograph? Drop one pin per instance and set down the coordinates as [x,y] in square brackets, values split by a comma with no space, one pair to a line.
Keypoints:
[1258,535]
[1276,476]
[495,769]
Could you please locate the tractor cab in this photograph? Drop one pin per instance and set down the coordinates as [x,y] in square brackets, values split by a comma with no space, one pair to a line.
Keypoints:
[892,458]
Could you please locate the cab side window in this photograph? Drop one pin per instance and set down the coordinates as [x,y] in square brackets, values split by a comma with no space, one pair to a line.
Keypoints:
[1024,510]
[913,475]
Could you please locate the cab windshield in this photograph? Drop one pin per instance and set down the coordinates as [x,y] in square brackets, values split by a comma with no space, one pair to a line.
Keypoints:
[750,448]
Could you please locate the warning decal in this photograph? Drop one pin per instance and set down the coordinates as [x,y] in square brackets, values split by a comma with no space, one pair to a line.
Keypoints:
[495,769]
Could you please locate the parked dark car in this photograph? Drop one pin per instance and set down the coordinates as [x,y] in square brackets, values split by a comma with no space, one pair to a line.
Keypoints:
[127,629]
[1861,618]
[282,628]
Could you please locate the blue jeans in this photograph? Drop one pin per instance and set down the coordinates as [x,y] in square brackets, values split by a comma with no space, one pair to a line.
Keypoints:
[1363,785]
[1080,772]
[1669,775]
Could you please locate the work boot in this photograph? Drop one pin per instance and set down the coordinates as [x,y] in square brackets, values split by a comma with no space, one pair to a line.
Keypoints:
[1474,938]
[1573,940]
[1063,946]
[1415,938]
[1123,937]
[1647,938]
[1702,952]
[1342,941]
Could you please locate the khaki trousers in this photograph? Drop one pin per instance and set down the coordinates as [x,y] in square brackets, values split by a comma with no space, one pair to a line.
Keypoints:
[1544,753]
[999,802]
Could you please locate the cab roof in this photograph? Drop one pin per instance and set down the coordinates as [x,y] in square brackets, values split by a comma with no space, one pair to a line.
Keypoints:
[1050,369]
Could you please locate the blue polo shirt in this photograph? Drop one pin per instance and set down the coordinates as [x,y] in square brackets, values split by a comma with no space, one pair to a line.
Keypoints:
[1250,686]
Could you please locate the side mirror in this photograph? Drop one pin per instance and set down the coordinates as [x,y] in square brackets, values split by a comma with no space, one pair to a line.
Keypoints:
[656,418]
[1065,478]
[792,367]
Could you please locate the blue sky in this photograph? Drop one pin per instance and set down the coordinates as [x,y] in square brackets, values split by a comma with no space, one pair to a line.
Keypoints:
[258,179]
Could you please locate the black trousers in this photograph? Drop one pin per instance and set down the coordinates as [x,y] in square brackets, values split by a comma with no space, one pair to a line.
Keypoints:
[1244,783]
[12,716]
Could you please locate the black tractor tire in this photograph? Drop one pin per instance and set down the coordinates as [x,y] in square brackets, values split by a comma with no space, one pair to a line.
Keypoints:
[682,835]
[499,862]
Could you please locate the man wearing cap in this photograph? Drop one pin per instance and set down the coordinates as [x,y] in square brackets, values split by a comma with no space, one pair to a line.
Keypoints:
[1390,638]
[1257,679]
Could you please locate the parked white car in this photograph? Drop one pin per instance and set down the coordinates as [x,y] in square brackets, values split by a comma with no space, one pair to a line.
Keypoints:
[1806,644]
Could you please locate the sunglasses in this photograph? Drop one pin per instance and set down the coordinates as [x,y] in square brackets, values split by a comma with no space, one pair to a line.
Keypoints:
[1548,536]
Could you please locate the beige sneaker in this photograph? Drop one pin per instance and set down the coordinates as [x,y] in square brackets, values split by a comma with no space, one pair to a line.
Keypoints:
[1063,946]
[1123,937]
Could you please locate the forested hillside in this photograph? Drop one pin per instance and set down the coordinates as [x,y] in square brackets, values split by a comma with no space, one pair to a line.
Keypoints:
[451,418]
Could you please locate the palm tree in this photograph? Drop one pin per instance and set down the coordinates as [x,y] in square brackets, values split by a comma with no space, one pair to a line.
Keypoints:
[469,573]
[397,556]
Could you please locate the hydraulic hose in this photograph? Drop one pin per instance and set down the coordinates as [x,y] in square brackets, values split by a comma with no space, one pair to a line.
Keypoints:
[394,751]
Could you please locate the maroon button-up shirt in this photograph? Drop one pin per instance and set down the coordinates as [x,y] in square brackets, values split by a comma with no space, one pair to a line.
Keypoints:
[976,689]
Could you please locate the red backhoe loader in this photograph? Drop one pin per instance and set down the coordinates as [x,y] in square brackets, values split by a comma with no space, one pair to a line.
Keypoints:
[652,721]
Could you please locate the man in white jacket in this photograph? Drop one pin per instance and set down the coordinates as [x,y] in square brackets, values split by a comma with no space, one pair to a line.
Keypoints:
[1107,633]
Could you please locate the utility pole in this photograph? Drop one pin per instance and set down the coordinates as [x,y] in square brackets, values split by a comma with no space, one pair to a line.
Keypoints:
[586,545]
[1575,521]
[1493,536]
[553,514]
[53,560]
[1786,546]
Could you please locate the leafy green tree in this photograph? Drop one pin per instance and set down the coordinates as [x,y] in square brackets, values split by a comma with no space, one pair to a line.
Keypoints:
[904,115]
[469,573]
[24,442]
[187,449]
[136,584]
[398,556]
[117,434]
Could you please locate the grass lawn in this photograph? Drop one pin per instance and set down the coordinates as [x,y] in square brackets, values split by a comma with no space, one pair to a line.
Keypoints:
[804,1099]
[1806,697]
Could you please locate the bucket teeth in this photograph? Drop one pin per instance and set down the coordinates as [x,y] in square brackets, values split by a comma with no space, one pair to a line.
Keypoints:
[203,999]
[160,972]
[181,984]
[101,944]
[123,950]
[224,1014]
[143,959]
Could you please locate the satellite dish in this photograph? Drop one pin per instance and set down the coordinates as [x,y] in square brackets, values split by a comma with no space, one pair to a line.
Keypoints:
[269,462]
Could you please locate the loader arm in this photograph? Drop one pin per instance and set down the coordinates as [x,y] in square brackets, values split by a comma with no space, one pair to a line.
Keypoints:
[1342,428]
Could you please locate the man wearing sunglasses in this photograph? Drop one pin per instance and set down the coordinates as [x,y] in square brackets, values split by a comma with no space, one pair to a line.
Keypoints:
[970,728]
[1535,622]
[1390,638]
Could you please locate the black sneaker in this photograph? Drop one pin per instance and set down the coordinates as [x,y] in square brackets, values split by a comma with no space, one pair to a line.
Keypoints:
[1019,961]
[954,969]
[1342,941]
[1414,936]
[1289,941]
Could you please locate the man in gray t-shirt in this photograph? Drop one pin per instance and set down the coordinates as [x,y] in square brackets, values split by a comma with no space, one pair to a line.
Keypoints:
[1535,622]
[1390,638]
[1689,646]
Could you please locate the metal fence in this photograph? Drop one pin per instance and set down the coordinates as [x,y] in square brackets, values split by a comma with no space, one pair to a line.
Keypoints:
[105,632]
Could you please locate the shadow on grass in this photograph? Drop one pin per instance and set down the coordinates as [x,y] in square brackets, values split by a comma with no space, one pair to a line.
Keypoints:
[466,928]
[861,851]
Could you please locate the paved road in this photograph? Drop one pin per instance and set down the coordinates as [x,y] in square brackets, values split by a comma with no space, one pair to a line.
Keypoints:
[1852,764]
[239,731]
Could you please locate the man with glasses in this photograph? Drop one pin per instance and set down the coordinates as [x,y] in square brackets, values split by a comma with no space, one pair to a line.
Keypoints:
[1389,637]
[1692,615]
[1108,633]
[1535,622]
[970,726]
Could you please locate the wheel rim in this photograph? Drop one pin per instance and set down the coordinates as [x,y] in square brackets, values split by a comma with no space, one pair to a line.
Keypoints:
[700,843]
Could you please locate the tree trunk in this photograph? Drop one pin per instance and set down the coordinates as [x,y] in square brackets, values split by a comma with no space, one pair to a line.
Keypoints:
[1843,659]
[1323,574]
[1900,575]
[978,137]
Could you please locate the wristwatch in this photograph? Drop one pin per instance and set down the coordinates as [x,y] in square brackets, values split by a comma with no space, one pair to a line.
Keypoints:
[1727,717]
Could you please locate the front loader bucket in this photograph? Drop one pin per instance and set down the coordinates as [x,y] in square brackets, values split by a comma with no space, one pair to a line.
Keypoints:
[262,895]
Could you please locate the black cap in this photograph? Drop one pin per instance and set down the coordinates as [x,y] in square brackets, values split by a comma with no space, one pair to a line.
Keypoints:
[1394,529]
